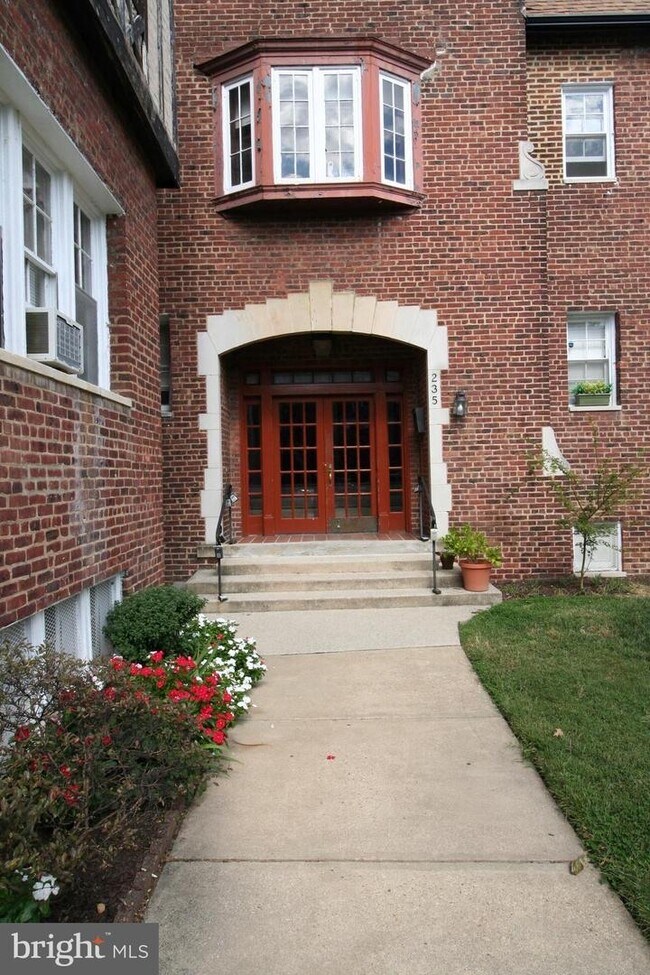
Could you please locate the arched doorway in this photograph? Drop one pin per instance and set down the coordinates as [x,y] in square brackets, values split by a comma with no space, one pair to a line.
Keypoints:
[320,314]
[324,440]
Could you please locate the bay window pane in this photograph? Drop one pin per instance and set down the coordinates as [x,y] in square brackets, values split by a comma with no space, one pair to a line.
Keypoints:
[331,87]
[346,86]
[301,90]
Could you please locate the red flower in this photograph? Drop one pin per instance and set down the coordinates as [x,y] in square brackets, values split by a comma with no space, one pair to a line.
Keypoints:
[184,663]
[176,694]
[65,771]
[110,693]
[227,698]
[107,740]
[70,794]
[157,656]
[117,663]
[135,669]
[218,737]
[201,693]
[22,733]
[211,680]
[142,697]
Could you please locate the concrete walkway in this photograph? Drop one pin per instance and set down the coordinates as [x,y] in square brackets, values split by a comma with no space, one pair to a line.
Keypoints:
[379,820]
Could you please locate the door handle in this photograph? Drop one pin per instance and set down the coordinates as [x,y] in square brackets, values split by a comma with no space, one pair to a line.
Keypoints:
[328,468]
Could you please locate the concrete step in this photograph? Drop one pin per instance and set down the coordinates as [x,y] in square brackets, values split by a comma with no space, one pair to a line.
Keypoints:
[331,574]
[322,578]
[259,602]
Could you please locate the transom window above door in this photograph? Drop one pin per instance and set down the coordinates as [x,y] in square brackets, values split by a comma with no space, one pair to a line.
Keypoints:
[317,119]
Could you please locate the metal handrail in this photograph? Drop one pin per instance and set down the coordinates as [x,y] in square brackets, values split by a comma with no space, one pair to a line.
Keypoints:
[229,499]
[424,498]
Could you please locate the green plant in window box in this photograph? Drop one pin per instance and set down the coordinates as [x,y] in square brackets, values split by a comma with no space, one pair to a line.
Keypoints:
[592,392]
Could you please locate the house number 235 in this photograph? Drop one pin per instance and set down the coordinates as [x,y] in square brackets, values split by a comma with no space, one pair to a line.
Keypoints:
[434,389]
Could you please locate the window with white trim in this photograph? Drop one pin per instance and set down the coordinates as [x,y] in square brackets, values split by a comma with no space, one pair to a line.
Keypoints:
[606,554]
[591,352]
[74,625]
[395,114]
[588,123]
[317,124]
[335,118]
[239,170]
[40,275]
[54,251]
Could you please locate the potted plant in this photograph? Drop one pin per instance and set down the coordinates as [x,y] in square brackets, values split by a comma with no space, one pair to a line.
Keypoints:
[447,559]
[475,555]
[592,392]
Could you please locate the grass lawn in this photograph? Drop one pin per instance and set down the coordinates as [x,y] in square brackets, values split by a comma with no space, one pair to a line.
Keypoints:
[571,674]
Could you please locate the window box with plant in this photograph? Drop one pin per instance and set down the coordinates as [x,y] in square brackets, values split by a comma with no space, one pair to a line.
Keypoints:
[593,392]
[475,555]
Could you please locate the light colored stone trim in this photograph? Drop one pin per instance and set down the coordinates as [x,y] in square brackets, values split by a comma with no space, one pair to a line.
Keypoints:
[320,309]
[58,376]
[551,451]
[531,171]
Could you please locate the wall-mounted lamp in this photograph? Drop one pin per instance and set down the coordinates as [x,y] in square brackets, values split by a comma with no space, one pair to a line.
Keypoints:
[459,406]
[322,347]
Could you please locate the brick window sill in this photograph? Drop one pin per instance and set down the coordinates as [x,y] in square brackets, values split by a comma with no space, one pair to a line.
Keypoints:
[57,375]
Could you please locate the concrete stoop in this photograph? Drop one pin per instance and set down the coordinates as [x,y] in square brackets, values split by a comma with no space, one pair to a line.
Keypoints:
[331,575]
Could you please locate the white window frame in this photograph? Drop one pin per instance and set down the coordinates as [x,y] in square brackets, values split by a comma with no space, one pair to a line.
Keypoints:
[607,319]
[606,560]
[316,93]
[80,604]
[228,185]
[408,130]
[608,103]
[26,119]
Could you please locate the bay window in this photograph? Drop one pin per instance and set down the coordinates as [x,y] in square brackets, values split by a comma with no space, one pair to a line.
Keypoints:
[318,119]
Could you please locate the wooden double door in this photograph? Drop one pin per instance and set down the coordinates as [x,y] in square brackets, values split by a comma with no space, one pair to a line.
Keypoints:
[324,463]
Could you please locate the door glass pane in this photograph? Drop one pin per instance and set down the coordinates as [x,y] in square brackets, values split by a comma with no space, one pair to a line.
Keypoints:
[352,459]
[298,460]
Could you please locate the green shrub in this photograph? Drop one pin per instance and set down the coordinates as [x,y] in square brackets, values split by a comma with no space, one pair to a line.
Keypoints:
[151,620]
[85,754]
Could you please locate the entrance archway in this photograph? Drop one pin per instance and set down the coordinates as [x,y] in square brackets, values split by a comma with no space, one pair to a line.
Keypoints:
[324,311]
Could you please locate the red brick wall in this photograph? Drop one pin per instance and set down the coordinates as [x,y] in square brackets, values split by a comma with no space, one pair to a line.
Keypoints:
[475,252]
[598,245]
[82,475]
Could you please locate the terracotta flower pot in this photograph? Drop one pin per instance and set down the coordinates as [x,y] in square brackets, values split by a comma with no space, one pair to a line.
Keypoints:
[476,575]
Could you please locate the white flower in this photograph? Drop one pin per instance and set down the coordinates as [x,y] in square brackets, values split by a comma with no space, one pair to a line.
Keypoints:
[45,887]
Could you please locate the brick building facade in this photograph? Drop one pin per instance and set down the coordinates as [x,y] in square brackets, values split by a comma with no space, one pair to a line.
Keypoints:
[86,142]
[380,207]
[482,271]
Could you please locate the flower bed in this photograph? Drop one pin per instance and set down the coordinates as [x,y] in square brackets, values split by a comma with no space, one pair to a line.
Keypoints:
[95,755]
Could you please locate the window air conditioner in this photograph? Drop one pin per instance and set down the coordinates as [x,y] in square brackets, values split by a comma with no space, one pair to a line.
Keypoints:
[54,339]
